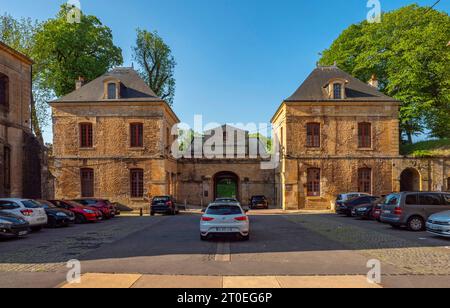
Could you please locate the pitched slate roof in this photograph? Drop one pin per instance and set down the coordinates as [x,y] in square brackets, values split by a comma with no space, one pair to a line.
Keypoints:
[314,88]
[133,88]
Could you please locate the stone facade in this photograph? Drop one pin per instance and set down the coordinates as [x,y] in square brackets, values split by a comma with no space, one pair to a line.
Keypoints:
[21,154]
[353,145]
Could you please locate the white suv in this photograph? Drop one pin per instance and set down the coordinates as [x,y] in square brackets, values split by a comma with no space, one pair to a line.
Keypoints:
[27,209]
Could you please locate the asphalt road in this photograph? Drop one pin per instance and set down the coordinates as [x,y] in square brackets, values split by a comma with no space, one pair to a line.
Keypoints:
[280,245]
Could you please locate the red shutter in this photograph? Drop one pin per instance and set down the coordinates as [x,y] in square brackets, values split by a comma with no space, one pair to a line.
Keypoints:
[313,182]
[365,180]
[86,135]
[364,135]
[313,135]
[136,135]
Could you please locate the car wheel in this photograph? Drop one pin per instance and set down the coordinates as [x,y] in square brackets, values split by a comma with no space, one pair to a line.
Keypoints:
[36,229]
[80,219]
[203,238]
[152,214]
[416,224]
[52,223]
[246,238]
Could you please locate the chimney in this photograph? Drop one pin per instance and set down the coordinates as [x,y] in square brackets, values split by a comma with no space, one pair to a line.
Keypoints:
[79,83]
[374,81]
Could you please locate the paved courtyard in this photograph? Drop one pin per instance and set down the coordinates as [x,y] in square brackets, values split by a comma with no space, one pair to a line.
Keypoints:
[284,250]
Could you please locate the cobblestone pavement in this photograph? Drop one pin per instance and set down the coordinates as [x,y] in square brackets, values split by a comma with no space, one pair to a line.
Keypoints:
[50,249]
[401,248]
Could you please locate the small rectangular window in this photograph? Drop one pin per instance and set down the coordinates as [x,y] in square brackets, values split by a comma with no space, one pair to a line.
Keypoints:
[86,135]
[411,199]
[313,182]
[87,183]
[364,135]
[337,91]
[136,135]
[137,183]
[313,135]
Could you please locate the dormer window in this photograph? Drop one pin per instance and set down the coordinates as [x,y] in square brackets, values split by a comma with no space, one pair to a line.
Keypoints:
[112,91]
[337,91]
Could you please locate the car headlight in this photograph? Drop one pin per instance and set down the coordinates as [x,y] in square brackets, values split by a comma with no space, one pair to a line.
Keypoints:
[362,209]
[89,211]
[61,214]
[5,223]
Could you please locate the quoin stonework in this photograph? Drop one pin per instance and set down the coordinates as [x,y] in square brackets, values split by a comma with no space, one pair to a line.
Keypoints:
[114,139]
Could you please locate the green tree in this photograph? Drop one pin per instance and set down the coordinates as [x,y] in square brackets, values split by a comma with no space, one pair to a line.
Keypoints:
[65,51]
[20,34]
[408,52]
[156,63]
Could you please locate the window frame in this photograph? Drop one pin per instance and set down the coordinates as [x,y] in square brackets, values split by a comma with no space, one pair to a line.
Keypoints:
[108,90]
[86,135]
[313,135]
[137,183]
[4,80]
[365,135]
[313,184]
[136,135]
[363,182]
[87,191]
[338,85]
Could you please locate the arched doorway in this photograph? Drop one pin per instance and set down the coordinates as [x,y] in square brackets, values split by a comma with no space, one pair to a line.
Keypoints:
[410,180]
[226,185]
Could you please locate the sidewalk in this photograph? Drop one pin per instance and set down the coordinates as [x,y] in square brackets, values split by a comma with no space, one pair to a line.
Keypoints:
[217,282]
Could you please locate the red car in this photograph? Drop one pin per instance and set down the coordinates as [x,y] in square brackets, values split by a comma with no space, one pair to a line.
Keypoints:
[102,205]
[82,213]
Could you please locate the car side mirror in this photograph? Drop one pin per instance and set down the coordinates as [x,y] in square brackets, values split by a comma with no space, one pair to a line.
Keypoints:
[203,211]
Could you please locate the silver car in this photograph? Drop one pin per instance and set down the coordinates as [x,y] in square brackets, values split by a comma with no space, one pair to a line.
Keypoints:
[26,209]
[439,224]
[224,219]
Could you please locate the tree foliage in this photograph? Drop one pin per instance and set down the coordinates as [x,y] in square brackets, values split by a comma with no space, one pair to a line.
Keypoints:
[409,54]
[156,64]
[65,51]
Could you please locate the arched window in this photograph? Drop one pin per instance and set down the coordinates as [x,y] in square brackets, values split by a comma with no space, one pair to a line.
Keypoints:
[313,182]
[87,182]
[4,90]
[86,135]
[112,90]
[365,180]
[137,183]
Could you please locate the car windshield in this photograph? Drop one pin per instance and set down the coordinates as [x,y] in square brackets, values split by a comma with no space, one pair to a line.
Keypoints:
[223,210]
[259,198]
[30,204]
[45,204]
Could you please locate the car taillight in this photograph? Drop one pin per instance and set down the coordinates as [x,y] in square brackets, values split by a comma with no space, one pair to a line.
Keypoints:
[207,219]
[398,211]
[27,212]
[243,218]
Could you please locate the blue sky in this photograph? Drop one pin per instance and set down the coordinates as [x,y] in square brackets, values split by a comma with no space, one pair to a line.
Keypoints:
[237,59]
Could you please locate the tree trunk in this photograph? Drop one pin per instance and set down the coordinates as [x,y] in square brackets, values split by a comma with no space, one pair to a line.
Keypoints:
[410,137]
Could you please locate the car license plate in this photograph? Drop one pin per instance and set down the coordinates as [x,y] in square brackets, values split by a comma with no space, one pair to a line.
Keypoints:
[40,218]
[22,233]
[387,212]
[223,229]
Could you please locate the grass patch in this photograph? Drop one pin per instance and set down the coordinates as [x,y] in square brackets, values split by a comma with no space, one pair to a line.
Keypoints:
[429,148]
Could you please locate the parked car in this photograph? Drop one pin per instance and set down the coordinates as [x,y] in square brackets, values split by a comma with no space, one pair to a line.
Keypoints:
[365,211]
[102,205]
[13,226]
[163,205]
[439,224]
[57,217]
[346,208]
[26,209]
[224,219]
[376,213]
[83,214]
[114,208]
[347,197]
[259,202]
[412,209]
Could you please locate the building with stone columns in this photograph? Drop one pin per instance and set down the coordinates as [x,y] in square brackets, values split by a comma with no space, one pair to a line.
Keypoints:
[113,137]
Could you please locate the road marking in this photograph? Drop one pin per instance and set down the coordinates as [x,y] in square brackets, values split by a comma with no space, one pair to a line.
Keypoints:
[223,253]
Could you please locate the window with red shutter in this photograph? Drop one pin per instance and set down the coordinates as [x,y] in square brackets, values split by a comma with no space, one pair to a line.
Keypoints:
[365,180]
[313,135]
[87,182]
[136,135]
[364,135]
[313,182]
[137,183]
[86,135]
